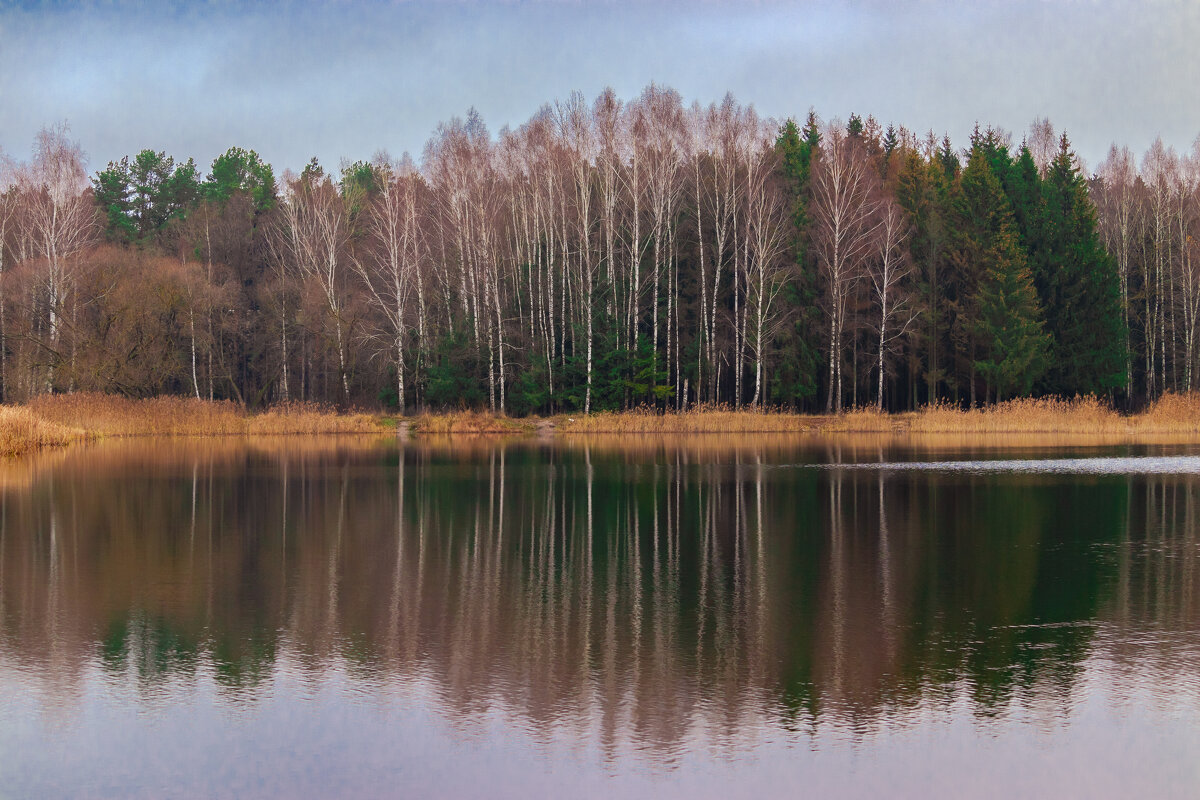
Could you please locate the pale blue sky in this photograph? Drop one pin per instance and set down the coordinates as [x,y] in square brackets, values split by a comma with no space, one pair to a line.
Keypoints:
[345,79]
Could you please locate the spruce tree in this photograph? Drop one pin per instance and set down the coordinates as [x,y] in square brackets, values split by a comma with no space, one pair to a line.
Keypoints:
[1026,195]
[998,323]
[795,375]
[1014,347]
[1081,289]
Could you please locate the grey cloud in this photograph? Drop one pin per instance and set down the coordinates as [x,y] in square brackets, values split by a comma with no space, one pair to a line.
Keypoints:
[346,79]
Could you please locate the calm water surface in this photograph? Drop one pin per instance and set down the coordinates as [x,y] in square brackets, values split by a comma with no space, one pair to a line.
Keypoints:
[706,618]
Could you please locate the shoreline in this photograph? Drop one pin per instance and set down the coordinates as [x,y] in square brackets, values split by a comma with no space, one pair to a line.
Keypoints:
[62,420]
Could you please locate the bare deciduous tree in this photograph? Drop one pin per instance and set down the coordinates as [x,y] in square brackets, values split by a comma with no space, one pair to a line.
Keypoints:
[315,235]
[887,271]
[845,200]
[60,221]
[391,267]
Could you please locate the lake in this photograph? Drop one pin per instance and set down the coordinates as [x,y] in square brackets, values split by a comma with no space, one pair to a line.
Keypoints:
[704,617]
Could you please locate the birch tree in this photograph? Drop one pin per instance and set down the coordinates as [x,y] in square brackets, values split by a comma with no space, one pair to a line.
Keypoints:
[887,270]
[9,200]
[844,204]
[662,136]
[575,127]
[61,221]
[316,233]
[765,270]
[390,267]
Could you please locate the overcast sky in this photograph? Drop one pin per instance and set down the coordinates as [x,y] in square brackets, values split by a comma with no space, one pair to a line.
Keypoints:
[346,79]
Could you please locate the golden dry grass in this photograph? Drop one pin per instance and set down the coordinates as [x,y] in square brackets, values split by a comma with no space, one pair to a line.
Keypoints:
[111,415]
[1171,415]
[58,420]
[23,431]
[1083,415]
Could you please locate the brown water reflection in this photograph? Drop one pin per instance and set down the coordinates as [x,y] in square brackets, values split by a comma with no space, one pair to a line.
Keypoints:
[662,607]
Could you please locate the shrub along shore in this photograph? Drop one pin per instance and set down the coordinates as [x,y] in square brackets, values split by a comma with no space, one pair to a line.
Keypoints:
[60,420]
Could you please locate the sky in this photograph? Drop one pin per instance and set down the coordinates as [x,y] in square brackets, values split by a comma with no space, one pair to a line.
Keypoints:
[344,80]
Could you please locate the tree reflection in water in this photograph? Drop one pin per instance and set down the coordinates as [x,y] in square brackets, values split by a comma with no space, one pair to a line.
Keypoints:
[646,597]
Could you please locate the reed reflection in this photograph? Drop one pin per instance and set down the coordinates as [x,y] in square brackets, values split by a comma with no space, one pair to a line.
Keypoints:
[639,598]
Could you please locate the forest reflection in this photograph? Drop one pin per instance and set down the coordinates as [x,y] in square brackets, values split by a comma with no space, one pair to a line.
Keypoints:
[635,596]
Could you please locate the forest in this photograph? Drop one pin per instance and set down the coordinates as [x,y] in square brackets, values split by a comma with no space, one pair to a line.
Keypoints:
[609,255]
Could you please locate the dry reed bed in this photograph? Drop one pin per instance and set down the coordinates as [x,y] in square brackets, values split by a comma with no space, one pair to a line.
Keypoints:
[177,416]
[1088,416]
[23,431]
[1173,414]
[57,420]
[1042,415]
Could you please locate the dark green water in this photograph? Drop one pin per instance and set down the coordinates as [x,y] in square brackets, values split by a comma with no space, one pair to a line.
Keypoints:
[697,618]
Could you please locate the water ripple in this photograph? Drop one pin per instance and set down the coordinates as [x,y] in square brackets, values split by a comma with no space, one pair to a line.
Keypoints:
[1134,465]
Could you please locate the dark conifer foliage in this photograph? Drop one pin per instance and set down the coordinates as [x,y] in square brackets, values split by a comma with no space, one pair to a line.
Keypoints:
[1081,292]
[999,315]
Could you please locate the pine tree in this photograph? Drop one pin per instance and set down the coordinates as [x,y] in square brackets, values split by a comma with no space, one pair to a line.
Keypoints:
[111,188]
[242,170]
[140,197]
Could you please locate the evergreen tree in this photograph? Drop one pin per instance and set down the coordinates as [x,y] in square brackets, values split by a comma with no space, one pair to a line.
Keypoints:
[795,376]
[241,170]
[149,173]
[992,144]
[923,191]
[891,140]
[141,197]
[182,190]
[455,377]
[1023,186]
[1015,348]
[111,188]
[1080,287]
[948,160]
[855,126]
[998,317]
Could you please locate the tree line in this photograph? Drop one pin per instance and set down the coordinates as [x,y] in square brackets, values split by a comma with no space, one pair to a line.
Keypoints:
[609,255]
